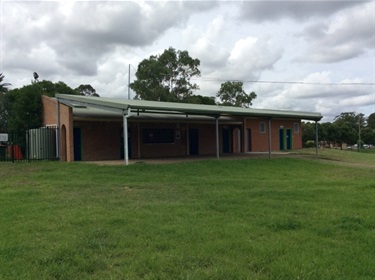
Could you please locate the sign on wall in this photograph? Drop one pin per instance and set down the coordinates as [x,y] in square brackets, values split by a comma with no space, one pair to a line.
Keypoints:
[3,137]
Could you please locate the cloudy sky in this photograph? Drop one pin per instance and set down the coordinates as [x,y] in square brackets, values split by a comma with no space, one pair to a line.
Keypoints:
[297,55]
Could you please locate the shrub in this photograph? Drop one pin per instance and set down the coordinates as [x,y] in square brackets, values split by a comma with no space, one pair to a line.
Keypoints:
[310,144]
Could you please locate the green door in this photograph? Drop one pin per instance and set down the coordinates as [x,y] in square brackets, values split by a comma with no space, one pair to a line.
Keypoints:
[289,139]
[285,139]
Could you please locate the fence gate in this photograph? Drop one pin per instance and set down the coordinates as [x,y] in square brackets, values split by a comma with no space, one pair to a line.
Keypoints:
[29,145]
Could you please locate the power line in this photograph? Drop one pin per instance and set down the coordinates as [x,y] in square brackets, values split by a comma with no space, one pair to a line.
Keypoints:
[285,82]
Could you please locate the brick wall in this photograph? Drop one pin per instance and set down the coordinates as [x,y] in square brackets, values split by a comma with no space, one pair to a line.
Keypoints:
[102,140]
[66,125]
[151,150]
[259,141]
[207,138]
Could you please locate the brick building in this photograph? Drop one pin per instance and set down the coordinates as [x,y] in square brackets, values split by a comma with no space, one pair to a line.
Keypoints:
[91,128]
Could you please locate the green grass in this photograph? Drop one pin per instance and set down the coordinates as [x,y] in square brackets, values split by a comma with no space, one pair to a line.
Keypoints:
[364,157]
[285,218]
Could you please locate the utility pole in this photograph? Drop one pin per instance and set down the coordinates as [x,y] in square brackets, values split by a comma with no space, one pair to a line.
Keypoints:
[129,83]
[359,134]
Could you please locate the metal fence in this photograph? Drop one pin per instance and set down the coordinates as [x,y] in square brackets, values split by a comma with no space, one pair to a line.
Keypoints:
[30,145]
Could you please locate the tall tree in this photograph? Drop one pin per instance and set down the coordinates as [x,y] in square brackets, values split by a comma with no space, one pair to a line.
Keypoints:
[51,89]
[21,108]
[3,113]
[86,90]
[348,134]
[308,132]
[332,132]
[350,124]
[350,118]
[166,77]
[371,121]
[368,135]
[3,86]
[199,99]
[231,93]
[62,88]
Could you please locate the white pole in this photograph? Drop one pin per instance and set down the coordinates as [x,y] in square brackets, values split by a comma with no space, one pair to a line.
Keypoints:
[269,138]
[359,134]
[316,138]
[217,137]
[58,157]
[126,142]
[129,83]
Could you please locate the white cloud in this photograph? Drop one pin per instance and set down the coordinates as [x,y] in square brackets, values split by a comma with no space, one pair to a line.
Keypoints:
[317,92]
[81,32]
[299,10]
[93,42]
[207,45]
[346,36]
[252,55]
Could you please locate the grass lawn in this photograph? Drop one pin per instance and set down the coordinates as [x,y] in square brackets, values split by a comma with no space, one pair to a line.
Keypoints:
[285,218]
[364,157]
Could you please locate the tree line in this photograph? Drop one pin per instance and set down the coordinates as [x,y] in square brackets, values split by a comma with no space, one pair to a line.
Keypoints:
[166,77]
[349,128]
[21,108]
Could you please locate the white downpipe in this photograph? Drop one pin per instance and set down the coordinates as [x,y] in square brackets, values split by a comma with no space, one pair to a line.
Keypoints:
[245,137]
[58,131]
[269,139]
[217,136]
[126,142]
[316,139]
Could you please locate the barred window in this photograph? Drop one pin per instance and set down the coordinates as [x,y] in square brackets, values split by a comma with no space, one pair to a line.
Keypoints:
[262,127]
[296,128]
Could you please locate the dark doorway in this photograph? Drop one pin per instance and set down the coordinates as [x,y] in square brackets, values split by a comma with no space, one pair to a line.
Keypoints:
[193,141]
[122,144]
[63,143]
[248,148]
[289,139]
[282,138]
[226,140]
[77,139]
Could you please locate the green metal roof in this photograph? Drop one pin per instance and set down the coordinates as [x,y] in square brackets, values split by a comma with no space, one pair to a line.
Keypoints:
[89,113]
[122,106]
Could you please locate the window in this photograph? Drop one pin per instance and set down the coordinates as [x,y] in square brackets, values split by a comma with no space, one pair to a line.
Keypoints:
[296,127]
[262,127]
[158,136]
